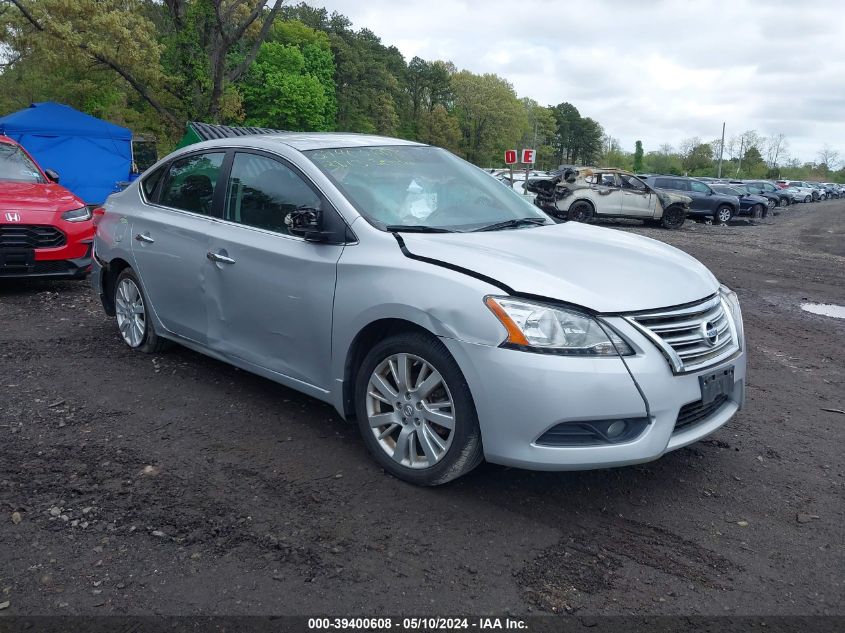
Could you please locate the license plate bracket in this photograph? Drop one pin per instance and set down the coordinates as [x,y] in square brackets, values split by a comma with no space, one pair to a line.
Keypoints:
[716,384]
[17,258]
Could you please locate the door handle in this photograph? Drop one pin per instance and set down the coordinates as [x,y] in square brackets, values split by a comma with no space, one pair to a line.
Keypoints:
[144,237]
[221,259]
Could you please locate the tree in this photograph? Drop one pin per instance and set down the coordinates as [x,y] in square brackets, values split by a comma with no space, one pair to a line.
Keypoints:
[290,88]
[696,157]
[828,157]
[428,85]
[776,147]
[439,128]
[180,57]
[567,118]
[490,116]
[753,164]
[638,156]
[586,141]
[539,133]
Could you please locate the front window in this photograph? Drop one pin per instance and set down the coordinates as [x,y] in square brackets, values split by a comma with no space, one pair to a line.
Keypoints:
[16,165]
[632,182]
[699,187]
[262,192]
[422,187]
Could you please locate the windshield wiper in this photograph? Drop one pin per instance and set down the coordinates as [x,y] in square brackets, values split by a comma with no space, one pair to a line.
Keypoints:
[511,224]
[415,228]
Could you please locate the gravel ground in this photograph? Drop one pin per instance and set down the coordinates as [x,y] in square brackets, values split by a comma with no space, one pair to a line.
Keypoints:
[175,484]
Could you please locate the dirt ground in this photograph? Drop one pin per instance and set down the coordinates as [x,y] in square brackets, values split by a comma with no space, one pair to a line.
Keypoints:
[175,484]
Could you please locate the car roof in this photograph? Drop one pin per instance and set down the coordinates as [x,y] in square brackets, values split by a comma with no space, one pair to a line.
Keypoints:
[304,141]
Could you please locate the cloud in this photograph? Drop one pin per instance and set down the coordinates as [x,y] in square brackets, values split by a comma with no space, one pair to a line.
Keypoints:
[655,70]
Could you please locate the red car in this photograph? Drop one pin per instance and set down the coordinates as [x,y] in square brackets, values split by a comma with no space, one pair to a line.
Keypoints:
[45,230]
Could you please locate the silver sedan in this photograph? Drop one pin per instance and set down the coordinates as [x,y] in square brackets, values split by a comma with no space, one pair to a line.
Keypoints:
[446,315]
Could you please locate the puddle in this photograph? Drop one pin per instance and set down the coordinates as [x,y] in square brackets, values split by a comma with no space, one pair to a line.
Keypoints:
[825,309]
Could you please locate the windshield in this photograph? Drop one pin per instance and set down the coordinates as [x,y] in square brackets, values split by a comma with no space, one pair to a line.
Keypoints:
[422,187]
[16,165]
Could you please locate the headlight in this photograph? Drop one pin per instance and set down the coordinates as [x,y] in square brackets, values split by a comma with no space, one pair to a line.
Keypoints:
[544,328]
[731,301]
[77,215]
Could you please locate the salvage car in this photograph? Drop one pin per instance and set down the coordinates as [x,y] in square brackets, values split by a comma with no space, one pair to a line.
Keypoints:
[448,316]
[584,194]
[706,203]
[45,230]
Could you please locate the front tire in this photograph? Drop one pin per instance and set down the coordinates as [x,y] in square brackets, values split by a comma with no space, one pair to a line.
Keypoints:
[723,214]
[581,211]
[415,410]
[673,218]
[808,199]
[133,316]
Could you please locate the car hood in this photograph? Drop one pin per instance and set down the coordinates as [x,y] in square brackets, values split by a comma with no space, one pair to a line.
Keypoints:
[668,198]
[605,270]
[36,197]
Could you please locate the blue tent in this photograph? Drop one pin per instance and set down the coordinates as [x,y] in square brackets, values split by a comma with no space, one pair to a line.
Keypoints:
[90,155]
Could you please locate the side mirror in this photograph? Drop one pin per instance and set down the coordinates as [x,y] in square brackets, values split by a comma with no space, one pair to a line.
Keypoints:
[52,175]
[306,222]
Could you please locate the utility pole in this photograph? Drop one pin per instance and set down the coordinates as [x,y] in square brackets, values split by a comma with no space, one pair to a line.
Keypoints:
[721,150]
[741,151]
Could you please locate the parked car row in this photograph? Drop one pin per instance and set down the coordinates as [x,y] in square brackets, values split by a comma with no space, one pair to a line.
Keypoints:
[581,194]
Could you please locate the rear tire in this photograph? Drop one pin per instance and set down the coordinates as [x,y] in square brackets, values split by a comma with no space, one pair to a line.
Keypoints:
[132,315]
[405,427]
[581,211]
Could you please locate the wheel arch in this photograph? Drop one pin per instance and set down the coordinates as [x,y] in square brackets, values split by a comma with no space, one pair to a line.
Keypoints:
[363,341]
[111,272]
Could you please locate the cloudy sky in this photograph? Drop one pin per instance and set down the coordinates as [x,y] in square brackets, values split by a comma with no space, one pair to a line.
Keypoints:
[657,70]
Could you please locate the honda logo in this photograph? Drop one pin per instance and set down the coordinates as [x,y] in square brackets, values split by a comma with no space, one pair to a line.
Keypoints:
[13,217]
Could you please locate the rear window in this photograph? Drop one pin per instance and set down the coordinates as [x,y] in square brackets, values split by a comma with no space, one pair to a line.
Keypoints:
[149,183]
[191,182]
[16,165]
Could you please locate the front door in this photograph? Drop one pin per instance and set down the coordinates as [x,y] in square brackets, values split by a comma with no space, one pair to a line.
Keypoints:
[271,293]
[701,196]
[170,241]
[638,201]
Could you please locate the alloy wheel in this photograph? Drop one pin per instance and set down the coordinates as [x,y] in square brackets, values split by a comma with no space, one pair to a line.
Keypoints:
[130,312]
[724,214]
[410,411]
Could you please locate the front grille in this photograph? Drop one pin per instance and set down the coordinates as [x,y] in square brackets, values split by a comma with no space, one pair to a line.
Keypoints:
[685,335]
[30,236]
[697,411]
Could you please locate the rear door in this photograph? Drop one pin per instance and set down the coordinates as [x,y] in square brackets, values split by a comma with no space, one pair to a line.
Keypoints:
[170,241]
[607,197]
[271,293]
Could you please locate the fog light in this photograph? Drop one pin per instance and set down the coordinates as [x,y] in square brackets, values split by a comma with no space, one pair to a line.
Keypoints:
[616,429]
